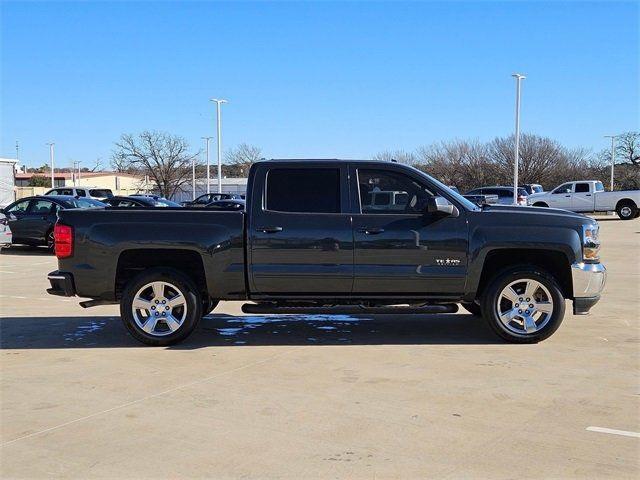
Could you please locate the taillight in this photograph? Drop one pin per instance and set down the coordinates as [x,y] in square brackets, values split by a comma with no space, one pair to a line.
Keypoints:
[63,240]
[522,200]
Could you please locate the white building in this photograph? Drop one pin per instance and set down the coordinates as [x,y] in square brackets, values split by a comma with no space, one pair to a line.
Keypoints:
[7,181]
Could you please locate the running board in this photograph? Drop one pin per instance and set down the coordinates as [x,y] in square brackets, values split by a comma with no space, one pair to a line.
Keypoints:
[262,308]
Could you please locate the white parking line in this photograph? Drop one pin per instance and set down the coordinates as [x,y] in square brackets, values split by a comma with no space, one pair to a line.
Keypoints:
[6,271]
[613,431]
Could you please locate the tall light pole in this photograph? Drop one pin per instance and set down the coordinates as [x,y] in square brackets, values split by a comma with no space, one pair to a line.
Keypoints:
[516,153]
[218,103]
[613,154]
[207,140]
[51,144]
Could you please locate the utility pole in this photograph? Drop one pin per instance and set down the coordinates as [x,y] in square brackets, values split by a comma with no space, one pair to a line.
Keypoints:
[51,144]
[613,154]
[516,152]
[218,103]
[207,140]
[79,162]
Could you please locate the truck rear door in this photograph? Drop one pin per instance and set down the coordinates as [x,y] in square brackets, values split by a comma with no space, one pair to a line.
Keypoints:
[299,230]
[583,199]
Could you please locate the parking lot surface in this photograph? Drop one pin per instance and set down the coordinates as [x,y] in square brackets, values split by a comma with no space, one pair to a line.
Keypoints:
[317,396]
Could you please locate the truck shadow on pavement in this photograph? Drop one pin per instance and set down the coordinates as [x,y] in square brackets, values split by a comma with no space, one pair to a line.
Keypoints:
[218,330]
[26,251]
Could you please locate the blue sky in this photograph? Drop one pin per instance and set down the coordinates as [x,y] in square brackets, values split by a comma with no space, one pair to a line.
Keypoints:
[323,79]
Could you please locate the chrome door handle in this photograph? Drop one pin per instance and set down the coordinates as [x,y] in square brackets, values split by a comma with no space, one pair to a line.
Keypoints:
[371,231]
[269,229]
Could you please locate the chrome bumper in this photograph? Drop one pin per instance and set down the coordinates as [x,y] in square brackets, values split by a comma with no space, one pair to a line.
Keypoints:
[588,283]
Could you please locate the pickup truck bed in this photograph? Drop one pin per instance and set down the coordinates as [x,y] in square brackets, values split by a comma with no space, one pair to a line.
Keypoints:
[332,234]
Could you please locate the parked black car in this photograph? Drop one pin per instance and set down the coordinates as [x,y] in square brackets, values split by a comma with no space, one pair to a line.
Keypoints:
[140,201]
[228,205]
[31,219]
[313,239]
[207,198]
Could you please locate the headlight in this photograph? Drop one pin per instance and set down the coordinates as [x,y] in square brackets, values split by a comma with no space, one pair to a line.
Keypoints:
[590,242]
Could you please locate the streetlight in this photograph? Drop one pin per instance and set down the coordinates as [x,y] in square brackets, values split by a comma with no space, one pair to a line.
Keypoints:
[218,102]
[518,78]
[193,167]
[613,154]
[51,144]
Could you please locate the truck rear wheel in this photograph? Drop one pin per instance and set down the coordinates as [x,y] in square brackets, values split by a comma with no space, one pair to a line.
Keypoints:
[161,306]
[626,210]
[524,305]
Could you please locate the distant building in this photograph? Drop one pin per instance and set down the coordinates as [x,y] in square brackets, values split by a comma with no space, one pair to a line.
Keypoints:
[7,183]
[113,180]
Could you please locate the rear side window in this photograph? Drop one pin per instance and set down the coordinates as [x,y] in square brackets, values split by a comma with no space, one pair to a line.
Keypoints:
[101,193]
[303,190]
[582,188]
[503,193]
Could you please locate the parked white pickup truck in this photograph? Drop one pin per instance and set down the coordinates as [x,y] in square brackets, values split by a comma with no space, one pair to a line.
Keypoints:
[589,196]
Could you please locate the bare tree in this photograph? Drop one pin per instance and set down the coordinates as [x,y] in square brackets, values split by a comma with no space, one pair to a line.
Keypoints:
[400,156]
[628,148]
[238,160]
[163,157]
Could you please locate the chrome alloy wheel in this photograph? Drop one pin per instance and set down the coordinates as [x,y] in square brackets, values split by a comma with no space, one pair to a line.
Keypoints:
[525,306]
[626,211]
[159,308]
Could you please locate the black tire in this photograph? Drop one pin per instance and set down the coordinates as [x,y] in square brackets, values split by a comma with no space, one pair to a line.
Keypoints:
[184,285]
[473,308]
[541,204]
[501,281]
[209,306]
[627,210]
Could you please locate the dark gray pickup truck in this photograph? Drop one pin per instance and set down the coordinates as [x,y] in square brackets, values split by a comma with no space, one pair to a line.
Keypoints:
[333,236]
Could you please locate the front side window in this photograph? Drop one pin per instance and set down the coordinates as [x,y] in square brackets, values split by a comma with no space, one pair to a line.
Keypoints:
[20,207]
[566,188]
[582,188]
[81,193]
[303,190]
[383,191]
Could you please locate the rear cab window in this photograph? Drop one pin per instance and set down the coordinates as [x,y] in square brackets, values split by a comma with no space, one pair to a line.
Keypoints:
[582,188]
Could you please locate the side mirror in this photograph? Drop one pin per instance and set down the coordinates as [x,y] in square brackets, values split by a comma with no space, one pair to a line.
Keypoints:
[441,205]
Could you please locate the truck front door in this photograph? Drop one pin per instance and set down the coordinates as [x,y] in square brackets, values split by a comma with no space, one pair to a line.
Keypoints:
[561,196]
[401,249]
[300,235]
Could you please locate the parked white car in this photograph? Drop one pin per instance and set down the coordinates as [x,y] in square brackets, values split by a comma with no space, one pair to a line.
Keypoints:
[589,196]
[96,193]
[5,232]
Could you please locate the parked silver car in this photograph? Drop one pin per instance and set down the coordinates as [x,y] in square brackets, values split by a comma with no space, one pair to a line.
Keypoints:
[505,194]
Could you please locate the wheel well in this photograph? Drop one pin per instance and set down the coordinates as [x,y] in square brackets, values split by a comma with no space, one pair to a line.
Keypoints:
[625,201]
[555,263]
[132,262]
[540,204]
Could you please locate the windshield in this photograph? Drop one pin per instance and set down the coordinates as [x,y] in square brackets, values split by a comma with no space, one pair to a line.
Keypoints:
[86,203]
[163,202]
[459,198]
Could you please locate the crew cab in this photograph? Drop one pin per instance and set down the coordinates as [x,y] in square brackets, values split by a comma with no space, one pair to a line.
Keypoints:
[312,240]
[589,196]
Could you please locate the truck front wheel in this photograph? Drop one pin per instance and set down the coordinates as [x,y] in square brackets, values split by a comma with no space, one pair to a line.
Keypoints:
[524,305]
[161,306]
